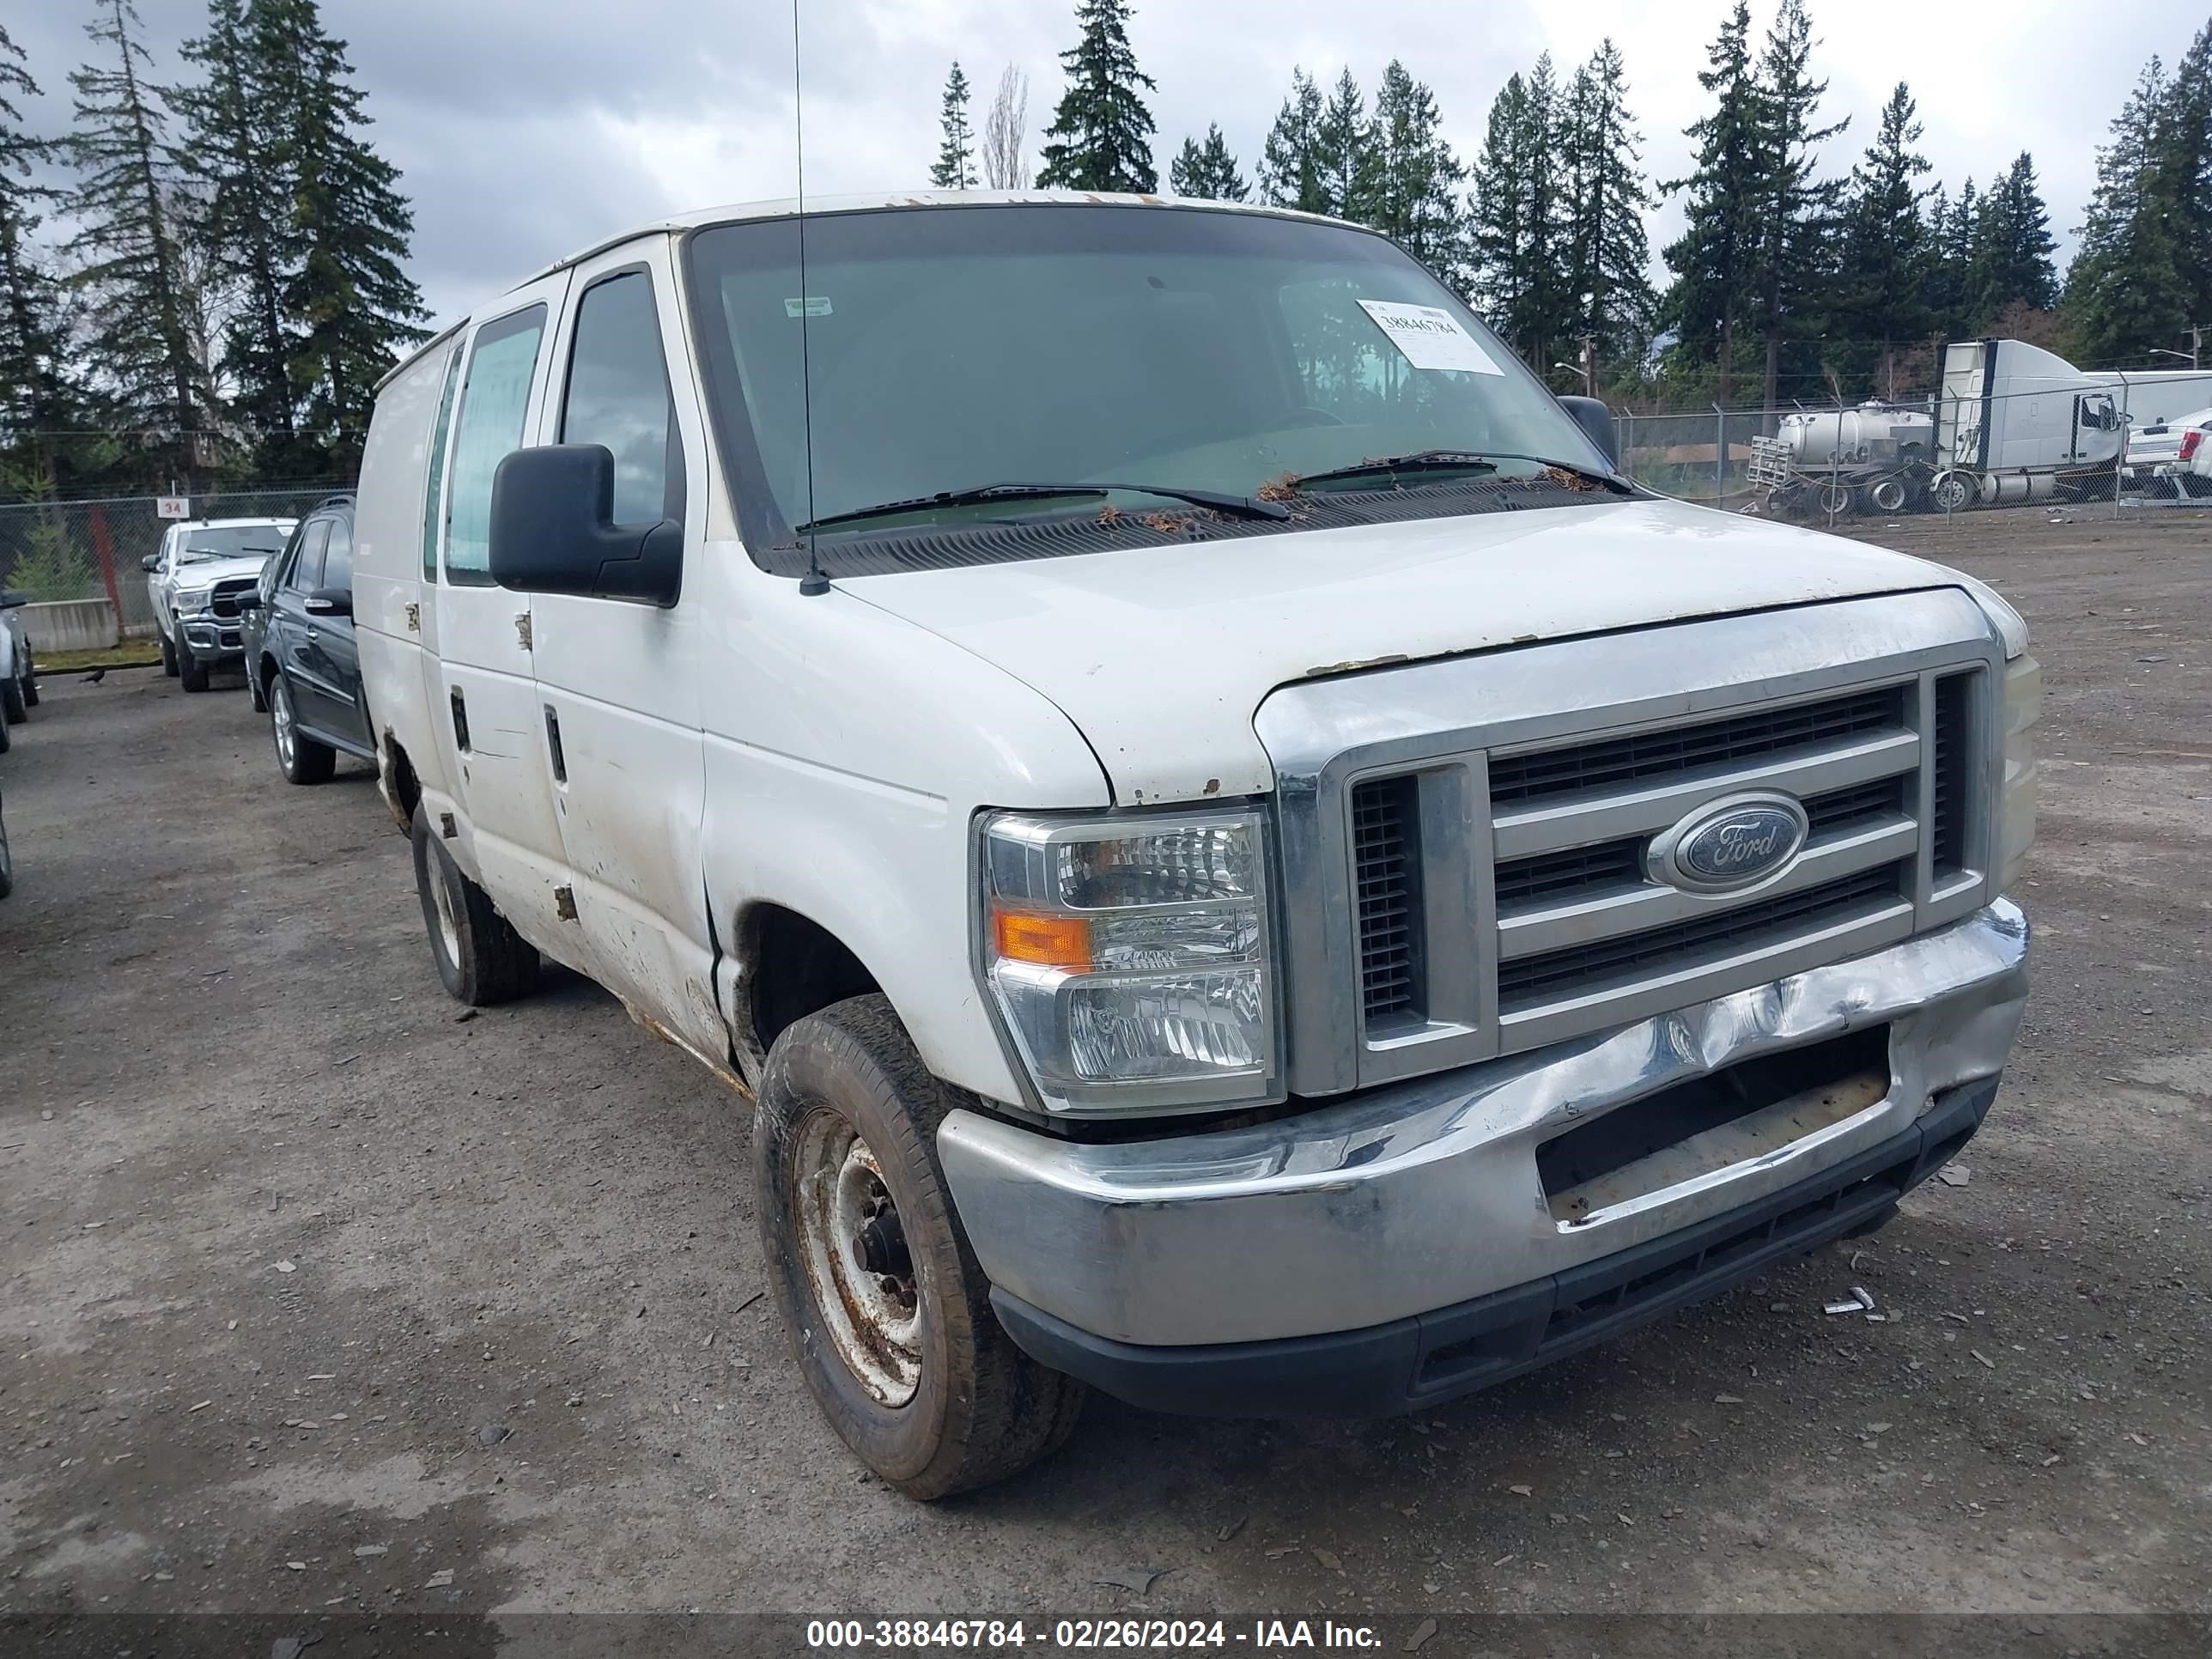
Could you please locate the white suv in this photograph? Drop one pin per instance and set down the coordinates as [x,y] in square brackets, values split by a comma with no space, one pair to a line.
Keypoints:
[1240,861]
[194,580]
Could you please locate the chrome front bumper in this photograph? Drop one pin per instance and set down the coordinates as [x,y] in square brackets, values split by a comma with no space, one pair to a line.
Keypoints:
[1421,1196]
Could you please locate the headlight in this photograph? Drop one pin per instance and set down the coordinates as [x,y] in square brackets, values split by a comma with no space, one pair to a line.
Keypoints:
[2023,704]
[1130,960]
[194,598]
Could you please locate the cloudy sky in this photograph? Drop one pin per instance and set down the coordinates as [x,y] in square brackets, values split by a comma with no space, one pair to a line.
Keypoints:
[527,128]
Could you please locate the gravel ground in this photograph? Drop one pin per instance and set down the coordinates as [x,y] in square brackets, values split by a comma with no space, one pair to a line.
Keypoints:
[321,1299]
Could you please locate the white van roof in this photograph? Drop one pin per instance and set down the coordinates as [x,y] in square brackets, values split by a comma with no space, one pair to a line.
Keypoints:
[817,206]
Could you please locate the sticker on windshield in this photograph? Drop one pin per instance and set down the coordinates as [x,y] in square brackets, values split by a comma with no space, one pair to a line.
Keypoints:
[812,305]
[1430,337]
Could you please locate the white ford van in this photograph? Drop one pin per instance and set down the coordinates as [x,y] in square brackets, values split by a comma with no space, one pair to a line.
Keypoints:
[1241,863]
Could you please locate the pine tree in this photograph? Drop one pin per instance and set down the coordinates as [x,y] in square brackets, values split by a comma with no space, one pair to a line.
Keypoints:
[956,156]
[349,293]
[1718,260]
[1208,171]
[127,249]
[1347,167]
[1290,161]
[2125,292]
[1882,294]
[1415,195]
[38,397]
[1801,210]
[1606,196]
[2184,160]
[1500,214]
[2011,256]
[1103,127]
[234,131]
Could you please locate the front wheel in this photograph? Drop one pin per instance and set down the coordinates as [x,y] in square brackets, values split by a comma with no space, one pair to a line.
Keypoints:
[7,862]
[15,707]
[168,656]
[481,958]
[191,671]
[30,682]
[887,1308]
[299,757]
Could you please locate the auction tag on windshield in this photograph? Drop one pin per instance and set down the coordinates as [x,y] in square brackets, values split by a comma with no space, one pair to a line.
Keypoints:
[1430,337]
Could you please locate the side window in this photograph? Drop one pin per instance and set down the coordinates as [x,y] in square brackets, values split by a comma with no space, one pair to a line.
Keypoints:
[430,497]
[494,402]
[278,570]
[307,572]
[618,396]
[338,560]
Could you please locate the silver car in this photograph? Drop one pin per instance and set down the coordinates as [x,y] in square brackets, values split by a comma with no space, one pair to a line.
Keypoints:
[194,581]
[19,680]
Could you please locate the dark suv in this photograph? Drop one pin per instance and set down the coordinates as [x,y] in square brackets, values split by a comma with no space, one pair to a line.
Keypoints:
[300,663]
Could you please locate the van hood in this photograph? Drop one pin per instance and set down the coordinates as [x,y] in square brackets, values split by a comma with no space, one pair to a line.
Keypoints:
[1161,656]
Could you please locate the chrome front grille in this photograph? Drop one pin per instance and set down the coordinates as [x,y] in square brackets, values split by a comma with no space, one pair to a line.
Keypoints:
[1463,888]
[223,602]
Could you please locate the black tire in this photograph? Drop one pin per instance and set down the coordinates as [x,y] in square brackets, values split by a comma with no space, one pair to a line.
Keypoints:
[980,1409]
[301,760]
[486,961]
[168,656]
[30,682]
[191,671]
[14,706]
[254,693]
[7,863]
[6,741]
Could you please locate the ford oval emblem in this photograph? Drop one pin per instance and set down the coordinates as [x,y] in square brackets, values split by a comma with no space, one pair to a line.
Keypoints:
[1729,844]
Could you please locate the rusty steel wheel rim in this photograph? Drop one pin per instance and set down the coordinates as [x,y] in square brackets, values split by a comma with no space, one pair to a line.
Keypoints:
[852,1246]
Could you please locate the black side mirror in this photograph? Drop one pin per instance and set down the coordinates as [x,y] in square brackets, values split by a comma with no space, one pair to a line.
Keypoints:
[328,601]
[1596,422]
[553,529]
[151,561]
[249,601]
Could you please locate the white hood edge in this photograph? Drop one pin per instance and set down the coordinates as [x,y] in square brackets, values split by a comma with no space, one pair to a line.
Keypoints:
[1162,656]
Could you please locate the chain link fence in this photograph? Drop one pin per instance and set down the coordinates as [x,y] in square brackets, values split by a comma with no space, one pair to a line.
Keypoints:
[60,551]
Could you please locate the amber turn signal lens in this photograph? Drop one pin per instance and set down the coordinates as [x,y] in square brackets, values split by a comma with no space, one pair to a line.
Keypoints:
[1047,940]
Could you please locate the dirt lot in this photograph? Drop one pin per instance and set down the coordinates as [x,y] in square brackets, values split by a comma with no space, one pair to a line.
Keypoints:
[317,1298]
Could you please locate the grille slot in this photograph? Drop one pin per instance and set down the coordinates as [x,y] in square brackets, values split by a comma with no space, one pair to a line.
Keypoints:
[1952,743]
[1385,829]
[1533,980]
[1614,762]
[223,602]
[1548,878]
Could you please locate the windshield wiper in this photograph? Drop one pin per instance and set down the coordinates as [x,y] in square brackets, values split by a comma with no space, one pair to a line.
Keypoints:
[1445,461]
[1243,507]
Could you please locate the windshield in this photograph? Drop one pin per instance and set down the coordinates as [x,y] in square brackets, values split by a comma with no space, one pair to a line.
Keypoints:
[955,348]
[231,541]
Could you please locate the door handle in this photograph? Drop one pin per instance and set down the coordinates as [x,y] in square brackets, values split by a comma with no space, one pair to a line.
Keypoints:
[314,633]
[461,722]
[553,745]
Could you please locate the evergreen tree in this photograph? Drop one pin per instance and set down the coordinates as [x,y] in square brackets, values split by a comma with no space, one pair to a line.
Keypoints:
[2125,293]
[352,301]
[1102,125]
[38,399]
[1348,166]
[956,156]
[1718,260]
[2011,255]
[1606,196]
[1415,195]
[1208,170]
[2184,160]
[1290,163]
[234,133]
[1887,259]
[1504,213]
[1801,210]
[127,250]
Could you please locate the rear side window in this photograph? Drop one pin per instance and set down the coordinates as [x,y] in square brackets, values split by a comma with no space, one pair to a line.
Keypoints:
[338,560]
[431,496]
[618,396]
[308,569]
[495,402]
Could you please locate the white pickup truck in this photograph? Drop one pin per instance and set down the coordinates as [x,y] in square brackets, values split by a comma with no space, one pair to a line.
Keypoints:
[1240,862]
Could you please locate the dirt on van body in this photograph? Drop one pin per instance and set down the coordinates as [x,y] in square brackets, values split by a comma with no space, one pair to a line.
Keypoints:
[328,1302]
